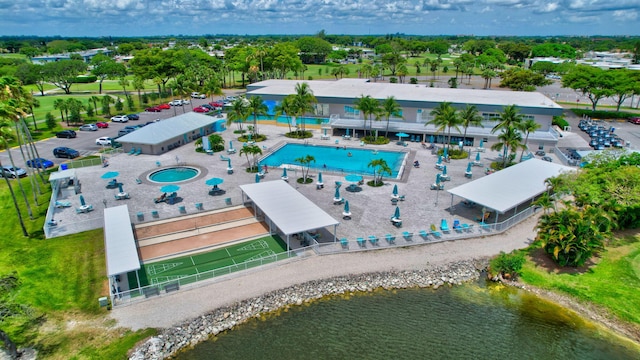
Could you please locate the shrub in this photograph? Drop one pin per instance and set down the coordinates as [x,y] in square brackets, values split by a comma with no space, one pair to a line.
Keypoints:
[509,265]
[85,79]
[560,122]
[50,121]
[413,80]
[602,114]
[299,134]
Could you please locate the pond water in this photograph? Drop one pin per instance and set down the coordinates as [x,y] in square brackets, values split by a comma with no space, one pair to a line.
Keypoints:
[465,322]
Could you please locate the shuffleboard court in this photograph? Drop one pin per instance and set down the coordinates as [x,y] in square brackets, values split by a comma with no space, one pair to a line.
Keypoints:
[238,254]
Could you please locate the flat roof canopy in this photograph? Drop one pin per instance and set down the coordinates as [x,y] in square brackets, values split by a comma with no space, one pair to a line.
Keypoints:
[289,210]
[512,186]
[119,244]
[62,174]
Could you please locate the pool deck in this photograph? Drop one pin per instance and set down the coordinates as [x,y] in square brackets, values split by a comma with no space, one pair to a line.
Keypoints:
[371,208]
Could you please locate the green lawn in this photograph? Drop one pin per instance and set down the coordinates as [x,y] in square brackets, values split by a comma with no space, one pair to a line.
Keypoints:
[181,267]
[612,283]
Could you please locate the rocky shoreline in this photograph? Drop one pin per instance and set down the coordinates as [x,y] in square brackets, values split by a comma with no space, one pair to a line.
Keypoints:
[190,333]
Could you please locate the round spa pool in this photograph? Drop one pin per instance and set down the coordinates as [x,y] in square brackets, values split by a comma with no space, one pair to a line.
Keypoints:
[173,174]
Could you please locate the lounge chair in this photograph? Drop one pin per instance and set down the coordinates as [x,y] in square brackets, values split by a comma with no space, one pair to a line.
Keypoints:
[227,201]
[444,226]
[390,239]
[112,184]
[138,181]
[138,152]
[424,234]
[155,214]
[198,206]
[408,236]
[466,227]
[361,241]
[182,209]
[158,163]
[140,216]
[435,232]
[373,239]
[63,204]
[485,226]
[132,151]
[345,243]
[457,226]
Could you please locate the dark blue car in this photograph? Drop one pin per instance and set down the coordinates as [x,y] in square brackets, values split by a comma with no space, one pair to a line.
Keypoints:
[39,163]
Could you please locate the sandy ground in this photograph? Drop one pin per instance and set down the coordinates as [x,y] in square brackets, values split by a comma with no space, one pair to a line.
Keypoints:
[172,309]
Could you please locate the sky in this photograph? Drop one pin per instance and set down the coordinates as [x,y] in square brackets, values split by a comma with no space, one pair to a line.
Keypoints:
[94,18]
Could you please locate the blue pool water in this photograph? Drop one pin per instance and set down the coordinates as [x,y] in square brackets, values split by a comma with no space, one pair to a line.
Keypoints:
[299,120]
[174,174]
[336,158]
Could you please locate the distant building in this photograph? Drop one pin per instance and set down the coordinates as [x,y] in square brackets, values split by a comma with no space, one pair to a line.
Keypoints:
[86,55]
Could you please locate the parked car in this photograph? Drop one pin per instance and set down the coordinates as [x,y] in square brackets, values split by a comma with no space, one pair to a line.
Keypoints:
[65,152]
[217,104]
[153,109]
[133,116]
[102,125]
[164,106]
[186,102]
[211,108]
[201,109]
[40,163]
[547,158]
[68,134]
[88,127]
[634,120]
[12,172]
[151,122]
[176,103]
[120,118]
[133,127]
[123,132]
[104,141]
[197,95]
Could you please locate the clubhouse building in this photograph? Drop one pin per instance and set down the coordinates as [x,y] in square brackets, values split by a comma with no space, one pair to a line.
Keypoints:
[338,113]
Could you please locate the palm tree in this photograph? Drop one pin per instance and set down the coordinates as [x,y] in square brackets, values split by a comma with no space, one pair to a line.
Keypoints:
[380,167]
[510,140]
[256,107]
[470,117]
[368,106]
[94,99]
[252,150]
[285,108]
[303,101]
[306,166]
[390,107]
[528,126]
[59,104]
[445,116]
[138,85]
[238,113]
[510,116]
[106,102]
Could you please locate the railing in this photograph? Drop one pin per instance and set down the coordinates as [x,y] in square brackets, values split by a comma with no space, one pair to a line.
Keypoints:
[138,294]
[218,202]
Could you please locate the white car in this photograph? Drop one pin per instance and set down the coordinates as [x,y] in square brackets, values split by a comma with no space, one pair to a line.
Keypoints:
[197,95]
[176,103]
[186,102]
[104,141]
[120,118]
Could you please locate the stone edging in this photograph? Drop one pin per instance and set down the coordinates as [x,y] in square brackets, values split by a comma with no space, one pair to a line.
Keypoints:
[190,333]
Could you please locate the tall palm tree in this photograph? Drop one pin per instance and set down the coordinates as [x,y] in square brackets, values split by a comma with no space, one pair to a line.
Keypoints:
[445,116]
[256,107]
[305,161]
[368,106]
[59,104]
[509,141]
[380,167]
[390,107]
[469,117]
[285,108]
[510,116]
[527,127]
[238,113]
[303,101]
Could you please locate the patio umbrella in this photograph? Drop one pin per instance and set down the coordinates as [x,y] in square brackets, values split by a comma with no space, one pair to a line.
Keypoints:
[319,178]
[346,211]
[230,145]
[259,168]
[395,190]
[400,135]
[110,174]
[469,167]
[445,153]
[431,139]
[284,172]
[481,143]
[214,181]
[170,188]
[120,188]
[396,214]
[229,164]
[444,170]
[82,201]
[347,132]
[439,160]
[257,178]
[336,196]
[477,156]
[438,179]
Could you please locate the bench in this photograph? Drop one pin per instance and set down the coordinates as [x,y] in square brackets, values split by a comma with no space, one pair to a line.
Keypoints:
[152,291]
[172,287]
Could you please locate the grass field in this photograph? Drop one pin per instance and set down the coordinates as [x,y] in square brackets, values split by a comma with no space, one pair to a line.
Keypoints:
[186,266]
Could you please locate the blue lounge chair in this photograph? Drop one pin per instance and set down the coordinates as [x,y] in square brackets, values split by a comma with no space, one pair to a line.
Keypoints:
[138,181]
[140,216]
[158,163]
[155,214]
[138,152]
[390,238]
[361,241]
[199,206]
[408,236]
[373,239]
[457,226]
[424,234]
[344,242]
[133,151]
[435,232]
[63,204]
[227,201]
[182,209]
[444,226]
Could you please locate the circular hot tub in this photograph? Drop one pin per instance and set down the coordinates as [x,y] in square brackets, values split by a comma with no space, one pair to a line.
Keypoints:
[174,174]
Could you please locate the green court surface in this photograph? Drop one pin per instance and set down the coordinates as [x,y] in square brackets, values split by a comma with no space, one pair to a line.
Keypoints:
[229,259]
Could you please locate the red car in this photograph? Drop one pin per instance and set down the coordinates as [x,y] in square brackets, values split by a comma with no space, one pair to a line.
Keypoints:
[634,120]
[164,106]
[153,109]
[102,125]
[201,109]
[217,104]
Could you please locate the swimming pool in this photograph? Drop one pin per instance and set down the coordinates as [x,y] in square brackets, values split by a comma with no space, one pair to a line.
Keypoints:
[173,174]
[336,158]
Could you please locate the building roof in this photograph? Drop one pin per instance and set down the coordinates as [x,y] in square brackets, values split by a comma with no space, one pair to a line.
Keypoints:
[289,210]
[119,244]
[168,129]
[349,89]
[512,186]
